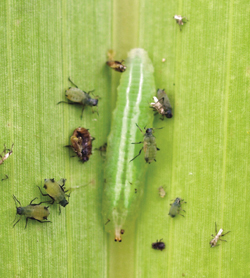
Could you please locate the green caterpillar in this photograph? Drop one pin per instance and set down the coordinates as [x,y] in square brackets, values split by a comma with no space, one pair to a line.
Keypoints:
[124,180]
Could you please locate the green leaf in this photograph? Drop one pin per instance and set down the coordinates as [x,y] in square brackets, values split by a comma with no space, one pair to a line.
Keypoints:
[204,148]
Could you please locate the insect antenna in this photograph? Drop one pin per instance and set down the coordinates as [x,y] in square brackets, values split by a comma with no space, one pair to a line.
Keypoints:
[72,82]
[15,199]
[157,128]
[140,128]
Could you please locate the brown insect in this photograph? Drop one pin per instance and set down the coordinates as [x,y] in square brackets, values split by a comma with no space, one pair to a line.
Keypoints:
[180,20]
[6,153]
[115,65]
[81,141]
[162,104]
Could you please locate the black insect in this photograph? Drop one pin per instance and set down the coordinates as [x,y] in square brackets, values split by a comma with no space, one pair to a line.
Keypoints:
[158,245]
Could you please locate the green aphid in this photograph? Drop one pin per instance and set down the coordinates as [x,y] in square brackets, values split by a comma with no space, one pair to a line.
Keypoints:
[149,145]
[56,191]
[32,211]
[176,207]
[79,97]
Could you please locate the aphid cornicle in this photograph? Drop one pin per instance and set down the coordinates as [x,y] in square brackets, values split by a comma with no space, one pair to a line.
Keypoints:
[149,145]
[6,153]
[180,20]
[79,97]
[162,104]
[158,245]
[32,211]
[81,141]
[56,191]
[115,65]
[176,207]
[215,239]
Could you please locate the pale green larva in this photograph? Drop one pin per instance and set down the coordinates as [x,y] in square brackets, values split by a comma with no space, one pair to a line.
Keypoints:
[120,202]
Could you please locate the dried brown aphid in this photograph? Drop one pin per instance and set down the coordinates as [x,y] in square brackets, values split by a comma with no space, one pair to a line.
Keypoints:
[217,237]
[81,141]
[6,153]
[180,20]
[162,192]
[162,104]
[115,65]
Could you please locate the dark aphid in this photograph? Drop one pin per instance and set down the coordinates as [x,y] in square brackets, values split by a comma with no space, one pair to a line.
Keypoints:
[158,245]
[79,97]
[115,65]
[81,141]
[162,104]
[176,207]
[149,145]
[180,20]
[56,191]
[5,154]
[32,211]
[215,239]
[102,150]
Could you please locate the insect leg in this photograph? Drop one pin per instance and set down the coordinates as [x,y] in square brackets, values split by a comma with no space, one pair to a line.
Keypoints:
[49,202]
[222,240]
[226,233]
[27,218]
[137,143]
[108,220]
[33,200]
[68,146]
[42,221]
[67,102]
[91,92]
[137,155]
[6,177]
[215,228]
[17,221]
[72,82]
[82,110]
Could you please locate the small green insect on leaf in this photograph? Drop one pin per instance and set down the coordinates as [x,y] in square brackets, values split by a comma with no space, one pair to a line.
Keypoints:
[120,203]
